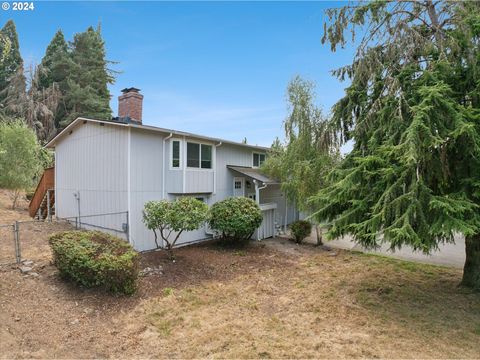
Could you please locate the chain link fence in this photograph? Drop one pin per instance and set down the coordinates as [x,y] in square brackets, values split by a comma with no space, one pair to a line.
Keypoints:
[28,239]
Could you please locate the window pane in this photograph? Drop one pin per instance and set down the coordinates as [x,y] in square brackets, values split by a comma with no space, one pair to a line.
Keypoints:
[193,155]
[255,160]
[176,154]
[206,156]
[262,159]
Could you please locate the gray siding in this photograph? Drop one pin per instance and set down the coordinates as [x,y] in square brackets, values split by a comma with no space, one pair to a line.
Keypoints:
[273,194]
[229,155]
[146,158]
[199,181]
[92,161]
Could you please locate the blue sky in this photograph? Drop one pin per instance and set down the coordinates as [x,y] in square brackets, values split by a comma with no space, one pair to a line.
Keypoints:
[214,68]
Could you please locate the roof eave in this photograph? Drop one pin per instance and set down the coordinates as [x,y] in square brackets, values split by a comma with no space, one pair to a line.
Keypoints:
[51,143]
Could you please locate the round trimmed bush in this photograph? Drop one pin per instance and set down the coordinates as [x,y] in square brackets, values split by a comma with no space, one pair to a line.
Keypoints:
[300,230]
[235,218]
[94,258]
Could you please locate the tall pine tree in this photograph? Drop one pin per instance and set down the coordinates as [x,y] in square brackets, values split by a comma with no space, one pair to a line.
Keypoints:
[54,71]
[11,63]
[56,62]
[87,93]
[413,111]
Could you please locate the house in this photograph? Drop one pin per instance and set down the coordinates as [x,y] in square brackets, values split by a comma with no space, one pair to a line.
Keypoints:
[115,167]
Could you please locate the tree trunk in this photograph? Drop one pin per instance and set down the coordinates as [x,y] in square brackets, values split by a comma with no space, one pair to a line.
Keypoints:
[319,236]
[15,195]
[471,270]
[170,253]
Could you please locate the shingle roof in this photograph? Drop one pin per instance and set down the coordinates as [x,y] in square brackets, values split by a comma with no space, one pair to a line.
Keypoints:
[254,173]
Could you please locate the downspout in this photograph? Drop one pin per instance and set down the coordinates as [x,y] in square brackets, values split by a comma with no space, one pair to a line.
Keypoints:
[129,182]
[163,165]
[215,170]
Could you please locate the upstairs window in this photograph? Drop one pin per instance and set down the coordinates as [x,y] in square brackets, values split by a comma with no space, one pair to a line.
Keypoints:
[199,156]
[193,155]
[258,159]
[175,154]
[206,161]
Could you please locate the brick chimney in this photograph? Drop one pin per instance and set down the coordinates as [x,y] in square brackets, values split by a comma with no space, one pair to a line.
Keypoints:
[130,105]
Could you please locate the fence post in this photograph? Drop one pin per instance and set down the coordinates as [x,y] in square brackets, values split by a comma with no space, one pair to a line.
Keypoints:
[16,231]
[76,223]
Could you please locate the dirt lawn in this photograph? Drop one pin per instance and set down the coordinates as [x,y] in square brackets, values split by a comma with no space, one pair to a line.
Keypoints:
[273,299]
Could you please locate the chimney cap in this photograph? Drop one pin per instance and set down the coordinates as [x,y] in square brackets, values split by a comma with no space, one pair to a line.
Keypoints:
[131,89]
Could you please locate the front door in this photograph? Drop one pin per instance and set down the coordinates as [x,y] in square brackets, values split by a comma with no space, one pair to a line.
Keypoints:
[238,186]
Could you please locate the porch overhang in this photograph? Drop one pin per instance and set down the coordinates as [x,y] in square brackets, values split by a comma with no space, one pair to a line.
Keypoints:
[253,173]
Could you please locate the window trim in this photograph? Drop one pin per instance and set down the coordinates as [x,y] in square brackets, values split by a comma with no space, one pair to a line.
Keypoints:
[170,160]
[258,153]
[199,168]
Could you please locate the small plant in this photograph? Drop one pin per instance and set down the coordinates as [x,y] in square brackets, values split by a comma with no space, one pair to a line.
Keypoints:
[167,291]
[235,218]
[300,230]
[94,258]
[165,217]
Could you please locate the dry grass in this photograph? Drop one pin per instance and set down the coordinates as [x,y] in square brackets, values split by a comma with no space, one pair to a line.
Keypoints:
[271,300]
[351,305]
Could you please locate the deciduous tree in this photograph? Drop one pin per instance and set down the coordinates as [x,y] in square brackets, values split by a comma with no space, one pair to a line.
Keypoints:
[309,152]
[171,218]
[20,157]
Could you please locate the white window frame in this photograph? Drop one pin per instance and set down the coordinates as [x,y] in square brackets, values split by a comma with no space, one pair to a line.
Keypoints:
[170,162]
[199,168]
[258,153]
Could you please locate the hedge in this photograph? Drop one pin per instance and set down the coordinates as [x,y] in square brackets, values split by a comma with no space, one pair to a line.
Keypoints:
[94,258]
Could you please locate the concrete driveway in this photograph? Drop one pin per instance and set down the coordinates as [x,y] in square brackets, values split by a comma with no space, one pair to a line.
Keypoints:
[452,255]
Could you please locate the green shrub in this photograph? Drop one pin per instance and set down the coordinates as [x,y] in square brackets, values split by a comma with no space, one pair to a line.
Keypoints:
[235,218]
[94,258]
[164,217]
[300,230]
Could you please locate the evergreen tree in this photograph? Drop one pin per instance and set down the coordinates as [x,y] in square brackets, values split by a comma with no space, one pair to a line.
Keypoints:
[413,111]
[54,71]
[87,93]
[56,62]
[11,64]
